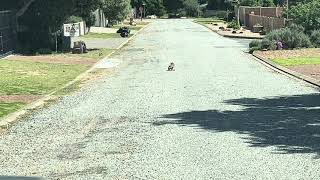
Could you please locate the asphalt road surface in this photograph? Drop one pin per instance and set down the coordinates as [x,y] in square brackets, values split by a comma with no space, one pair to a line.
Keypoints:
[220,115]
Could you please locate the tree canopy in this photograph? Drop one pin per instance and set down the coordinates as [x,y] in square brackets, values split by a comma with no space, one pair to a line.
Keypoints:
[116,10]
[306,14]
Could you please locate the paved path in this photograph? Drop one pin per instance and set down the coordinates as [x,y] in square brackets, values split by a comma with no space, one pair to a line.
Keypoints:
[220,115]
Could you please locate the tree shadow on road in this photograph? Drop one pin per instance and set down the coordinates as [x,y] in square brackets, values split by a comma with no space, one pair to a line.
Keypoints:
[291,123]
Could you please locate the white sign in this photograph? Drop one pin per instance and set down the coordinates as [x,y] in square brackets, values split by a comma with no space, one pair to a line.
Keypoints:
[72,30]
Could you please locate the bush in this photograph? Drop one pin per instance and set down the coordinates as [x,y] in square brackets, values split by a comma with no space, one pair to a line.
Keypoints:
[222,14]
[74,19]
[315,38]
[44,51]
[291,38]
[233,24]
[181,13]
[255,43]
[296,27]
[251,50]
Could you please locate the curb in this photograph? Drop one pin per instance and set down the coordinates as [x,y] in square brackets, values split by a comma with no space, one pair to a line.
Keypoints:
[7,121]
[287,71]
[229,36]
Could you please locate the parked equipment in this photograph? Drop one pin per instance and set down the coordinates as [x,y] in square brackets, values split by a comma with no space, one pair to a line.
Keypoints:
[124,31]
[79,47]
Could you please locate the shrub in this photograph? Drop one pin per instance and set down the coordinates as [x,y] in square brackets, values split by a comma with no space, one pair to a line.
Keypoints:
[44,51]
[296,27]
[222,14]
[315,38]
[233,24]
[251,50]
[291,38]
[74,19]
[255,43]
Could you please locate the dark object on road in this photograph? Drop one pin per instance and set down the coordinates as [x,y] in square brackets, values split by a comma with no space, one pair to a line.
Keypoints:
[234,32]
[124,31]
[222,28]
[79,47]
[171,67]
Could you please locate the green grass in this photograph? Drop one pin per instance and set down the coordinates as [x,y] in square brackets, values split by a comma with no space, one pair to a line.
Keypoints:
[297,61]
[137,28]
[96,54]
[7,108]
[32,78]
[103,35]
[69,89]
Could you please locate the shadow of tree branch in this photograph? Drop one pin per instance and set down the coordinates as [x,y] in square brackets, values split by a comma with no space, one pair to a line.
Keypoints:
[291,123]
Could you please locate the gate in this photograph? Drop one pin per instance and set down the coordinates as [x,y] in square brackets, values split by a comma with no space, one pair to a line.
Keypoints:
[7,32]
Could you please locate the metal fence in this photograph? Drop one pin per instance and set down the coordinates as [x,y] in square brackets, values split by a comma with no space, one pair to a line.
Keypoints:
[7,32]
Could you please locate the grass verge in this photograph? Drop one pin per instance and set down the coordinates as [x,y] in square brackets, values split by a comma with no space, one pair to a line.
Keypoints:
[297,61]
[33,78]
[7,108]
[103,35]
[96,54]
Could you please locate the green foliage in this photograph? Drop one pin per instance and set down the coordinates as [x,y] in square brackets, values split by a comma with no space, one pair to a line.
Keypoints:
[217,4]
[173,5]
[153,7]
[250,3]
[315,38]
[234,25]
[44,51]
[255,43]
[267,3]
[43,18]
[251,50]
[191,7]
[116,10]
[291,38]
[263,3]
[306,14]
[74,19]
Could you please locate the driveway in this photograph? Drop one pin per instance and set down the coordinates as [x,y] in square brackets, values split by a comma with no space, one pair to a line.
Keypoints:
[220,115]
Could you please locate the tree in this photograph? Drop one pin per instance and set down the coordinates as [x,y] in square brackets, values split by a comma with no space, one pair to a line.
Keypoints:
[191,7]
[152,6]
[116,10]
[84,9]
[173,5]
[306,14]
[217,4]
[42,18]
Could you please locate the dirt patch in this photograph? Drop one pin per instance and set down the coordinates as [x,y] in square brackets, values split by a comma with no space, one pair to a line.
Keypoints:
[308,70]
[59,59]
[19,98]
[314,52]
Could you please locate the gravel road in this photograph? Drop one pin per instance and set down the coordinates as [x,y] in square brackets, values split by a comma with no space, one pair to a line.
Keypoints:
[220,115]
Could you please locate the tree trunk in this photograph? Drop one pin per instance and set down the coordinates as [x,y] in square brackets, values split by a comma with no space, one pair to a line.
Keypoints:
[24,8]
